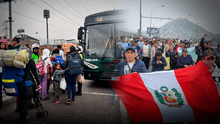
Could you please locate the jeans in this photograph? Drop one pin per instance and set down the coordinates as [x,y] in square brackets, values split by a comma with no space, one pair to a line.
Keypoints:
[57,90]
[71,85]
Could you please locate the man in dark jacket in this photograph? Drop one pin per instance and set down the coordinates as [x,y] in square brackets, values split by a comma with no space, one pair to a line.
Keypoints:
[158,62]
[15,44]
[25,89]
[131,64]
[184,60]
[204,48]
[26,93]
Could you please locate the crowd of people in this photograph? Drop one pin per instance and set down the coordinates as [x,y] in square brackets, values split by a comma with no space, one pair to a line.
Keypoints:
[42,76]
[137,54]
[155,51]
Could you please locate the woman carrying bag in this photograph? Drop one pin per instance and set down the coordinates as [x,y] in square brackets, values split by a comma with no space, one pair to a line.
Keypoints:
[74,69]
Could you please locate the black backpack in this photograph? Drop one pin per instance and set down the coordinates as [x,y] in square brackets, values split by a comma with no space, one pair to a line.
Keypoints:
[74,64]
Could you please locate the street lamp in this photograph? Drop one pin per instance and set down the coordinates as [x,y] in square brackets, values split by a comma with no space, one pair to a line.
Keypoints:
[34,33]
[151,15]
[30,37]
[197,26]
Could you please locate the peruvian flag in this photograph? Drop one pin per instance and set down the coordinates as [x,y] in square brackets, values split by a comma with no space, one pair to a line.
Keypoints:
[182,95]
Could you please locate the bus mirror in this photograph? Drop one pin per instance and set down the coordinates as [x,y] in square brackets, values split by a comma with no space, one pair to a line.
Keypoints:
[80,33]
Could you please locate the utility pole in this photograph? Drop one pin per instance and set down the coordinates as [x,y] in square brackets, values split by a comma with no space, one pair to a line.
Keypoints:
[10,20]
[47,15]
[140,18]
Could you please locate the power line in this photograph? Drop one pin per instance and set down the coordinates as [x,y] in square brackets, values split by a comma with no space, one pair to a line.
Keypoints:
[85,6]
[51,12]
[73,8]
[60,12]
[36,20]
[68,9]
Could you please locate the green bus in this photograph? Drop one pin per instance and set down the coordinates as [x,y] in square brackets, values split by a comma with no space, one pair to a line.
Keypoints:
[98,38]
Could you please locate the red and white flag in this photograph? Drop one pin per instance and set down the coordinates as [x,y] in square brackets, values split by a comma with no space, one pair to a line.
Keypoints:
[182,95]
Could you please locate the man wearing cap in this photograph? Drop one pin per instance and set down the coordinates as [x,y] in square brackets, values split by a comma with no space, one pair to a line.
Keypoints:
[15,43]
[209,58]
[131,64]
[186,44]
[146,51]
[184,60]
[138,49]
[131,42]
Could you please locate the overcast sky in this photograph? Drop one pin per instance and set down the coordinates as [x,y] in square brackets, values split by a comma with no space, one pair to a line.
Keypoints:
[70,14]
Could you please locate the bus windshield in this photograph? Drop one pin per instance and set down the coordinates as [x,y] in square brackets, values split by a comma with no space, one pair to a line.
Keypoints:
[99,39]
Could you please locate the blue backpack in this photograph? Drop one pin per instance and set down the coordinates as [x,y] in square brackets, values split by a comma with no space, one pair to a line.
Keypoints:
[59,60]
[11,76]
[74,65]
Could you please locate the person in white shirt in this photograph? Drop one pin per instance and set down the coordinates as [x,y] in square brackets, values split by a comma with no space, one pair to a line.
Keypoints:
[141,42]
[146,51]
[43,79]
[160,43]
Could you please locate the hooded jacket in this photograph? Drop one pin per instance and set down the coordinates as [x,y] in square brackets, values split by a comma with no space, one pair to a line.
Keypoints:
[46,54]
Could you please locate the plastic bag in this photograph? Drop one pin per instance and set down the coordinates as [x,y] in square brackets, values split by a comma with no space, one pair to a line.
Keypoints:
[63,84]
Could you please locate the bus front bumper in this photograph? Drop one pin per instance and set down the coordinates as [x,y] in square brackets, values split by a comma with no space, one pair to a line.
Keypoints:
[101,75]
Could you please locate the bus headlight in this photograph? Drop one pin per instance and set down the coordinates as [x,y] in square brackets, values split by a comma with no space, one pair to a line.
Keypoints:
[92,66]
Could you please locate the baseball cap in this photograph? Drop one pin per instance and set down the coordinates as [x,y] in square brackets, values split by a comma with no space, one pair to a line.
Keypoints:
[184,50]
[186,42]
[181,41]
[130,48]
[208,53]
[145,40]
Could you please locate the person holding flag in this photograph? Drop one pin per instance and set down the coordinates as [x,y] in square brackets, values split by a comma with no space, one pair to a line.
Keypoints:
[131,64]
[182,95]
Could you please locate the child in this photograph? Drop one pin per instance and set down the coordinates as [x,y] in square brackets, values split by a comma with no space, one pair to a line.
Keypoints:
[57,78]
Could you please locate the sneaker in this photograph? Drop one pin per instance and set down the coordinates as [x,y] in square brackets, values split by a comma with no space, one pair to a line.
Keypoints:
[59,99]
[57,102]
[74,101]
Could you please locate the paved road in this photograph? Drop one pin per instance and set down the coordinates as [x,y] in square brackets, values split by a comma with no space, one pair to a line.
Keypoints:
[98,104]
